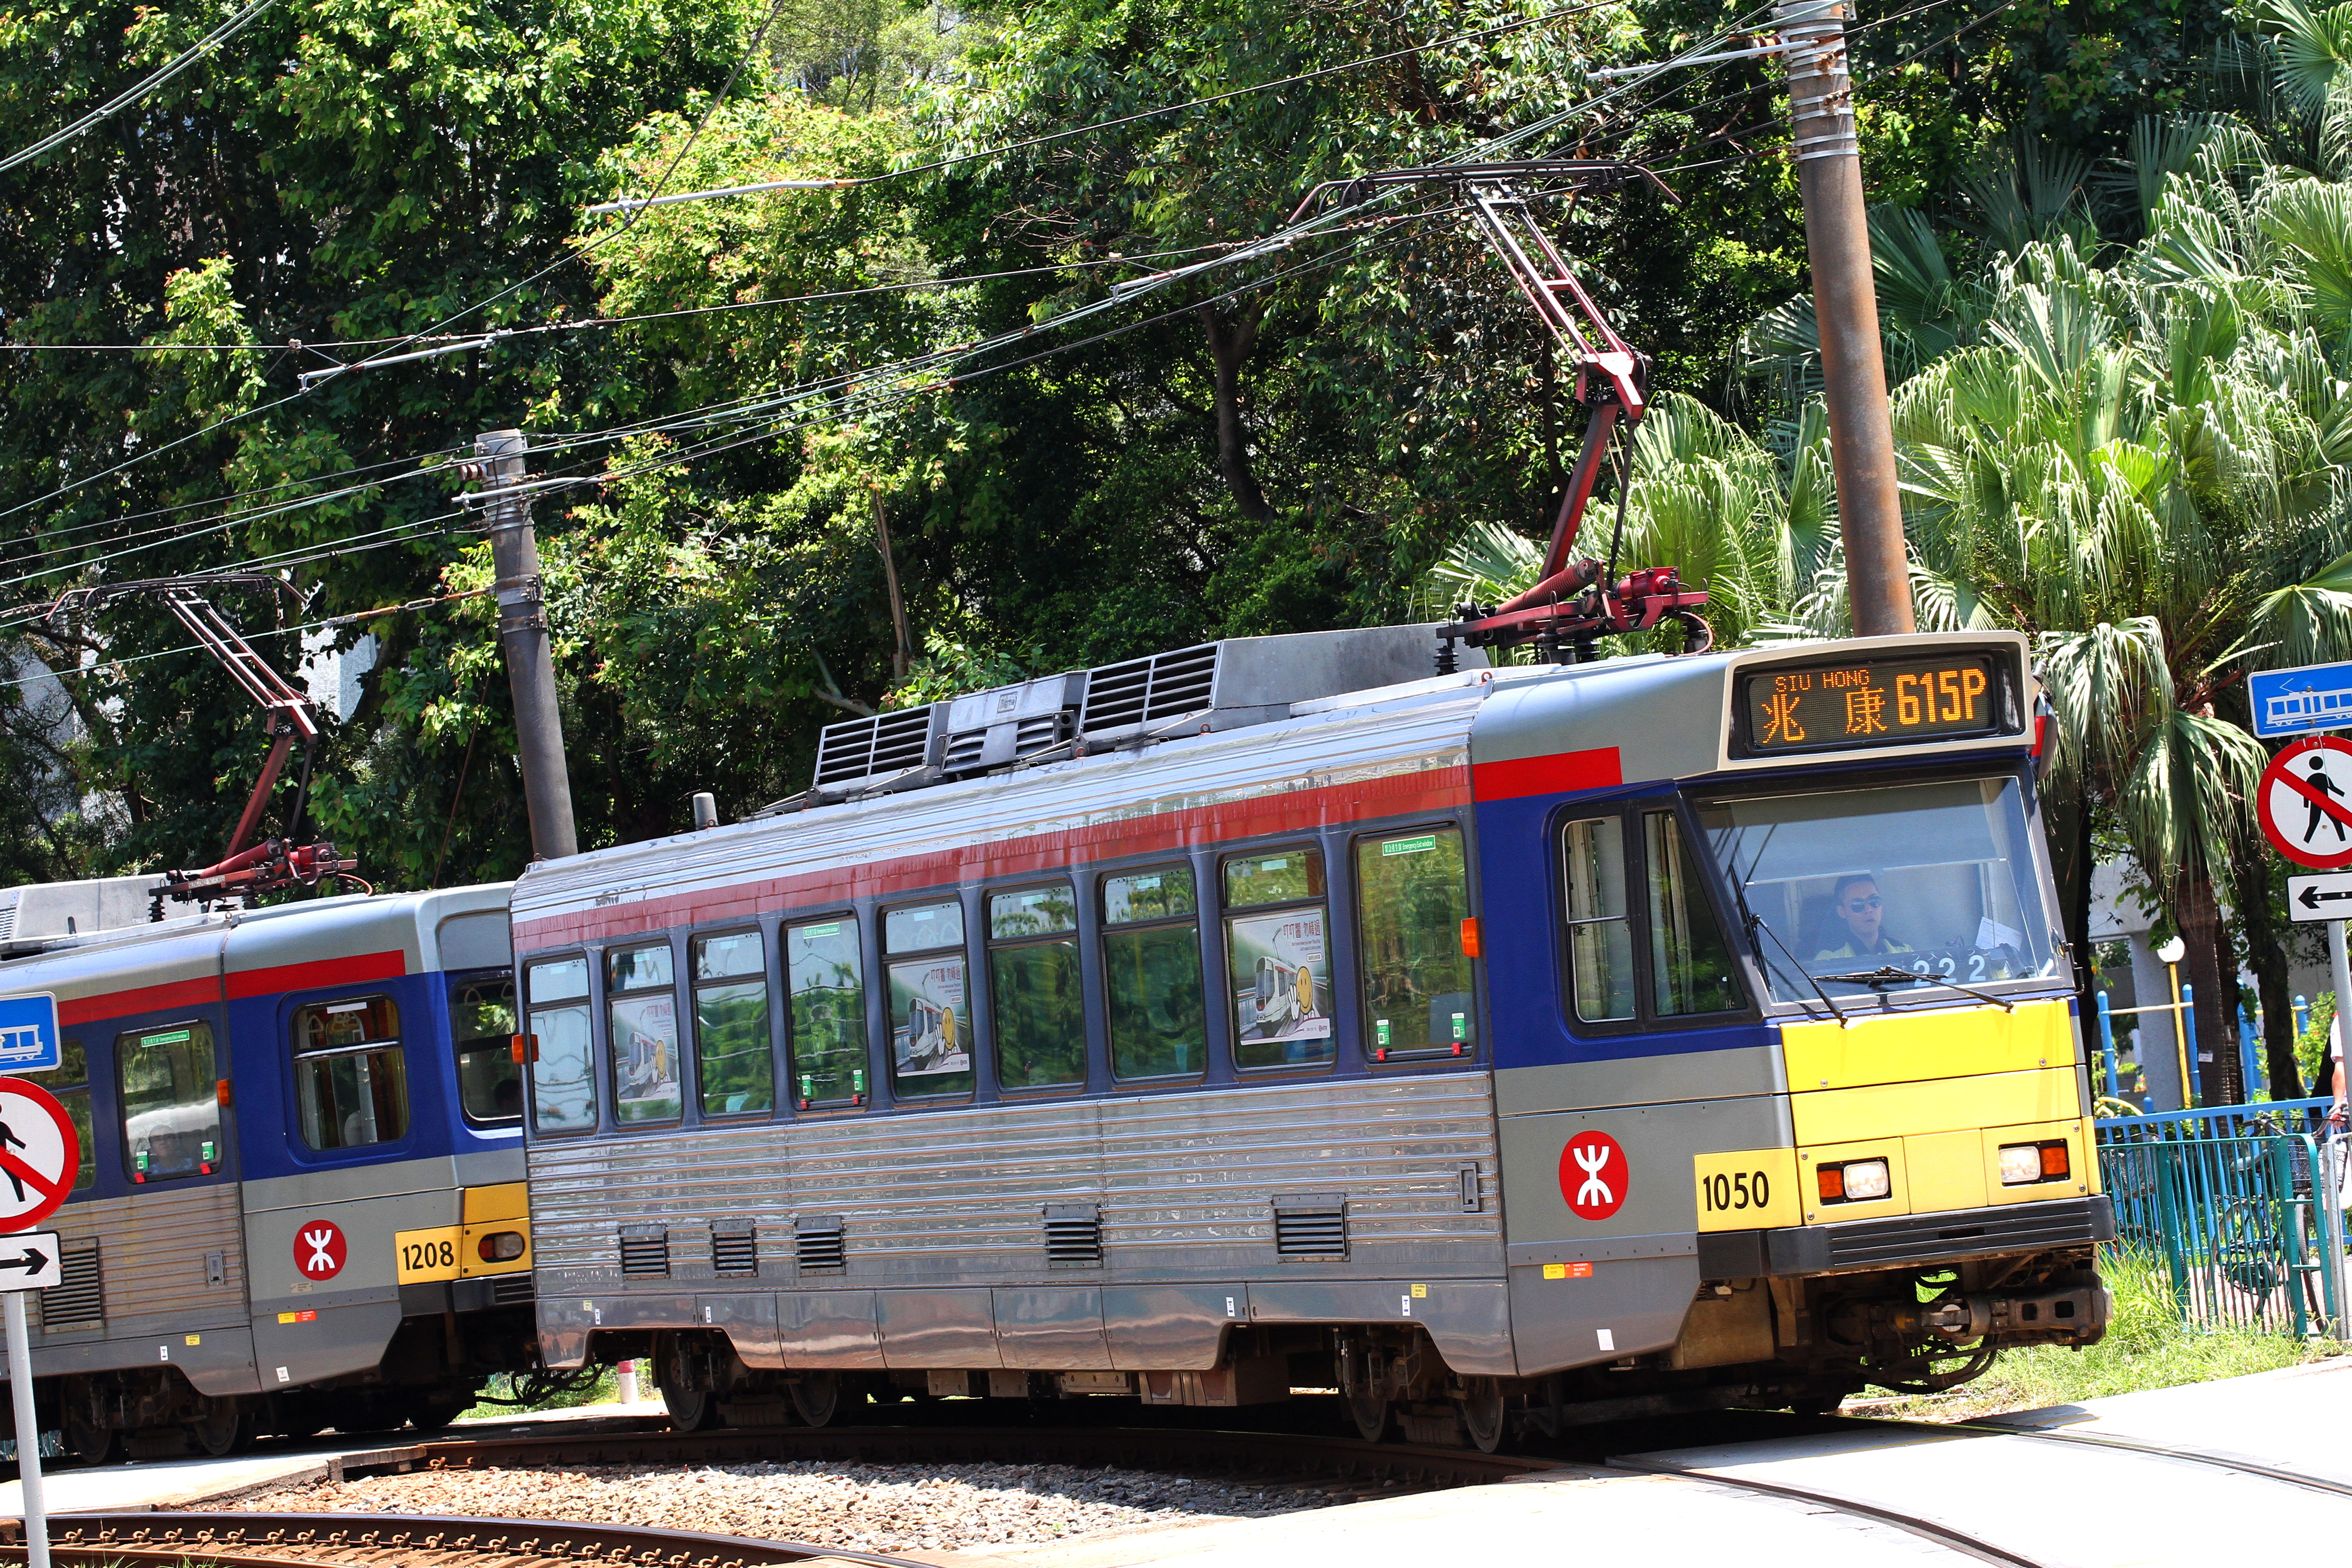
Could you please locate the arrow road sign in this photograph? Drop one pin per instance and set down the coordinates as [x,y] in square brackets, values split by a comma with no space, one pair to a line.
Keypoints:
[2327,898]
[2298,701]
[28,1261]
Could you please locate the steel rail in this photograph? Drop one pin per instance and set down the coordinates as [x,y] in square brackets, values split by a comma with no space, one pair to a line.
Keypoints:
[412,1540]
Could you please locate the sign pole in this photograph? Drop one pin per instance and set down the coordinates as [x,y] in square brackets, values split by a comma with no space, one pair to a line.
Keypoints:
[28,1429]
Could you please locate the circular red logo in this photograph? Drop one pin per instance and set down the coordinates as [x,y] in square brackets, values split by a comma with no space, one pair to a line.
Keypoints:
[2305,803]
[320,1248]
[1593,1175]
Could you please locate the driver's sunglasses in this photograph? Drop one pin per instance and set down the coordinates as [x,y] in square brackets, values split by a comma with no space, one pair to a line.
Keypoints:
[1858,905]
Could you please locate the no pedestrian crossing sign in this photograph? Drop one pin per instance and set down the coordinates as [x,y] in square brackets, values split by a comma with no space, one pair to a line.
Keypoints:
[2305,803]
[2298,701]
[39,1155]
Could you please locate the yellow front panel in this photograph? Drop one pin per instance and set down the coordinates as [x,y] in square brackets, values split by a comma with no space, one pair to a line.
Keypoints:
[423,1255]
[1747,1189]
[1897,1200]
[2081,1166]
[1944,1105]
[1948,1170]
[507,1200]
[1906,1047]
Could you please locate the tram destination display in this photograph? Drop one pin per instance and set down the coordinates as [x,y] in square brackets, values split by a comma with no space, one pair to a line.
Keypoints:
[1868,702]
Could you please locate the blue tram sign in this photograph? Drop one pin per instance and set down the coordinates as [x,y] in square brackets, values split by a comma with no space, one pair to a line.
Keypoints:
[28,1033]
[2298,701]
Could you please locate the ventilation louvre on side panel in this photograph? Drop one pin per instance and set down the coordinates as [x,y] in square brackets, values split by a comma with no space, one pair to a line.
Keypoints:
[1310,1228]
[77,1301]
[818,1247]
[1143,690]
[645,1253]
[512,1289]
[1073,1235]
[735,1251]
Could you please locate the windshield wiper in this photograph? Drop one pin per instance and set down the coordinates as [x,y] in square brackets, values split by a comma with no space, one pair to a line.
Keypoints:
[1887,974]
[1755,922]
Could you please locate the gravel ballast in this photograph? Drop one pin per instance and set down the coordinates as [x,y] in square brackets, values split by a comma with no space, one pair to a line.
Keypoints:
[867,1508]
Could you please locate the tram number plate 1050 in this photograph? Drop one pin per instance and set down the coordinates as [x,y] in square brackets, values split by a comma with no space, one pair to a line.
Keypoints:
[1873,702]
[1747,1189]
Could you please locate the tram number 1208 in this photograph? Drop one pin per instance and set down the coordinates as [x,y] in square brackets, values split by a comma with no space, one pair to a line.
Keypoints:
[1729,1191]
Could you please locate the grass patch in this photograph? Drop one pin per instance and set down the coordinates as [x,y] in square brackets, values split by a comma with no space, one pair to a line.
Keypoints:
[606,1388]
[2146,1346]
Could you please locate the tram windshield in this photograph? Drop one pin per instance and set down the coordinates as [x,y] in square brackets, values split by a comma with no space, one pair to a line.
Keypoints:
[1936,881]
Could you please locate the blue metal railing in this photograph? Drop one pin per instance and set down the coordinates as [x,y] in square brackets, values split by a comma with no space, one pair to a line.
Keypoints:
[2243,1231]
[2290,1116]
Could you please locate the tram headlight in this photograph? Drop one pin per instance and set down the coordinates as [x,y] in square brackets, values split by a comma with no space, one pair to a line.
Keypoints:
[1855,1182]
[500,1247]
[2021,1165]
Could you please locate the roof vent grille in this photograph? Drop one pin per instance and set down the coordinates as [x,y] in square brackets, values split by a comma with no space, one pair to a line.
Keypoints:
[1146,690]
[857,749]
[644,1254]
[1311,1227]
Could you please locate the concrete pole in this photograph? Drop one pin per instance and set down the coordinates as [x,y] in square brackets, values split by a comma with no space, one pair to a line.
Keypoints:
[1845,306]
[531,667]
[28,1434]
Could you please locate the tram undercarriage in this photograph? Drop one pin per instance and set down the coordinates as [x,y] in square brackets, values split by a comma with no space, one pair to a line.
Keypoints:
[1802,1343]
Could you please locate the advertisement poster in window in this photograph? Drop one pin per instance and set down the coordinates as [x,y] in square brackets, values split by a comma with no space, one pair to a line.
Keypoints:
[1278,964]
[928,1018]
[644,1047]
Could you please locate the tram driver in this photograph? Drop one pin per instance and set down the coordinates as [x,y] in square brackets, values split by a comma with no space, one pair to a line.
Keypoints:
[1856,903]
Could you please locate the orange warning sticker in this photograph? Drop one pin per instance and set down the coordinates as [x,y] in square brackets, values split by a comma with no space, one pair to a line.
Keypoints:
[298,1317]
[1568,1271]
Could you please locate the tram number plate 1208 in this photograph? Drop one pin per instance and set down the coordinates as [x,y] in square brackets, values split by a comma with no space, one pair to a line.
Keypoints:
[1746,1189]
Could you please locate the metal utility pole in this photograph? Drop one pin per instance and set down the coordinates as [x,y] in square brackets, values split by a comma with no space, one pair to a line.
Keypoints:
[1845,306]
[522,633]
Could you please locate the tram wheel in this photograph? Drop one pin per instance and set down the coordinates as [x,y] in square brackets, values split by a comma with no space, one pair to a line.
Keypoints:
[225,1427]
[1371,1414]
[1483,1418]
[691,1409]
[817,1397]
[86,1438]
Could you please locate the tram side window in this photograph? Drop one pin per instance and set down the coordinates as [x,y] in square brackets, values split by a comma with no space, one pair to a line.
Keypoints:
[170,1102]
[1033,975]
[734,1068]
[825,979]
[1599,931]
[1279,959]
[1691,966]
[482,1027]
[641,1032]
[69,1082]
[930,1019]
[1412,897]
[350,1083]
[563,1080]
[1157,1006]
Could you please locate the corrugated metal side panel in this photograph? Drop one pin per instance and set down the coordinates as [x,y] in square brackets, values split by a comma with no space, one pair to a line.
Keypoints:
[1186,1183]
[1338,749]
[154,1246]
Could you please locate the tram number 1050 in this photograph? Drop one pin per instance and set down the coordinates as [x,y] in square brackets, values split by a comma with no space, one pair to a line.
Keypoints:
[1730,1192]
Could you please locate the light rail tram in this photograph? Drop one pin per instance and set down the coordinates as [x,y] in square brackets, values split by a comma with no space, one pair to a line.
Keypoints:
[1499,1048]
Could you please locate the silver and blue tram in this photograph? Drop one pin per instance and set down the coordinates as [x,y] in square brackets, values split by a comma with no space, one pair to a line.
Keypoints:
[1506,1046]
[300,1200]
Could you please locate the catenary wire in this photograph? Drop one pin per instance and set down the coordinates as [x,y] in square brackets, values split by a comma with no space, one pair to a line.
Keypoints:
[132,95]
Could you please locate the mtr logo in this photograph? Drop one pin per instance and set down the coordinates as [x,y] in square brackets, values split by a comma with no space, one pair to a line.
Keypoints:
[320,1248]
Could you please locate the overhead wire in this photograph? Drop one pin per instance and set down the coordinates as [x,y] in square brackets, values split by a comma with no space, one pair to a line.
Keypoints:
[1281,238]
[129,96]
